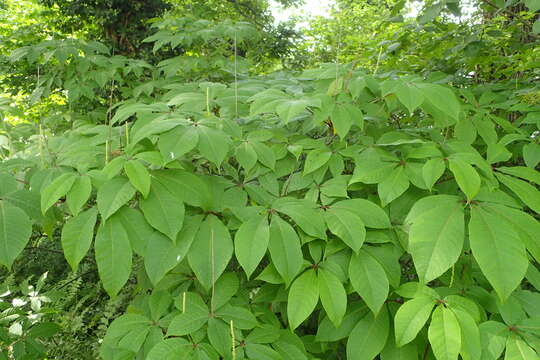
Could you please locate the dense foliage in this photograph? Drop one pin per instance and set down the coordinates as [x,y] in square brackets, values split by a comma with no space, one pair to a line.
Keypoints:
[189,204]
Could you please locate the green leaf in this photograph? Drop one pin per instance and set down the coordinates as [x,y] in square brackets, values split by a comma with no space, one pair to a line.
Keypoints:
[432,171]
[302,299]
[436,234]
[261,352]
[219,334]
[113,167]
[112,195]
[162,255]
[154,127]
[8,184]
[525,191]
[536,27]
[15,231]
[327,332]
[251,242]
[211,251]
[411,318]
[368,337]
[370,169]
[170,349]
[394,185]
[225,288]
[499,251]
[304,213]
[493,336]
[466,177]
[444,334]
[246,155]
[27,200]
[369,280]
[442,99]
[178,142]
[533,5]
[531,155]
[113,256]
[522,172]
[138,176]
[127,110]
[284,246]
[213,144]
[163,210]
[79,194]
[315,159]
[470,335]
[371,214]
[77,235]
[55,190]
[137,228]
[348,226]
[342,119]
[406,352]
[524,224]
[194,314]
[287,109]
[409,95]
[333,296]
[242,317]
[497,153]
[517,349]
[265,155]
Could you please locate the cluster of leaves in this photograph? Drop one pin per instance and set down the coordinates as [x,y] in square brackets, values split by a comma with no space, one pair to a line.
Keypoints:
[24,320]
[469,41]
[319,215]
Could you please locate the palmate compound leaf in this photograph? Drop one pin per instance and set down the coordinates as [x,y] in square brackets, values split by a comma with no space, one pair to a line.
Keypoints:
[436,234]
[211,251]
[498,249]
[15,231]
